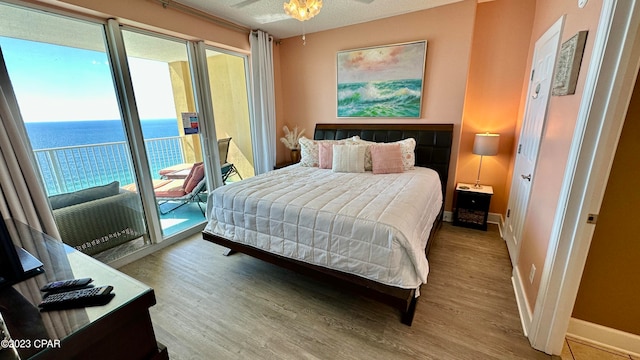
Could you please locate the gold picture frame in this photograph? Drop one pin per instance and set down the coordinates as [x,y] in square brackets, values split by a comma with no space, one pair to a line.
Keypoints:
[568,66]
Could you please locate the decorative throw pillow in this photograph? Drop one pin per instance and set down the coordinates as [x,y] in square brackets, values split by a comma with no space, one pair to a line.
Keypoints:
[386,158]
[367,151]
[309,153]
[348,158]
[325,151]
[407,147]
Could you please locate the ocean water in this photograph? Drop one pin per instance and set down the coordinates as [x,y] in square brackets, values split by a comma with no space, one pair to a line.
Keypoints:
[86,165]
[46,135]
[394,98]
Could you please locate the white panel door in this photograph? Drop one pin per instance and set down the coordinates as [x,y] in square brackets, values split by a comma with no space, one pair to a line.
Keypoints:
[544,59]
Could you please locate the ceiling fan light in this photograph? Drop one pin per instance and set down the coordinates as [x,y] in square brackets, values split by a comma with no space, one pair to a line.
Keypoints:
[302,9]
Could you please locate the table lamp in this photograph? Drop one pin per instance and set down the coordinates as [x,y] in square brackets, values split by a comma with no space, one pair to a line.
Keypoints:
[485,145]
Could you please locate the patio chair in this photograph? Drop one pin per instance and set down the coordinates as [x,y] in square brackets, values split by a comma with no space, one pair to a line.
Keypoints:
[182,191]
[226,168]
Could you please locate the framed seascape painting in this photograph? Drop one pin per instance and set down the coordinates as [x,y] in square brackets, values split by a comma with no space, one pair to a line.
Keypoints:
[382,81]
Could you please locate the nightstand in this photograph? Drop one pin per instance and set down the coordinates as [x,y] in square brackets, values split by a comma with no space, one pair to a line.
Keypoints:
[471,206]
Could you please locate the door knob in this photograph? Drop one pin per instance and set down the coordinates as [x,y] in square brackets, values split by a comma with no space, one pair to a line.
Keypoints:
[528,177]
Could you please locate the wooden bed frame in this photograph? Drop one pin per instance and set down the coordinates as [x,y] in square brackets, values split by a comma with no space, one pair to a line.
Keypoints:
[433,150]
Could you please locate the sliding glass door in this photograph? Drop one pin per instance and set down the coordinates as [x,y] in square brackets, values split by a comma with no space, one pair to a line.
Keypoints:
[161,78]
[230,101]
[112,110]
[61,75]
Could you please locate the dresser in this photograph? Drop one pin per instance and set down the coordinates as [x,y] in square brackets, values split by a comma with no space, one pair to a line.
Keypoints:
[121,329]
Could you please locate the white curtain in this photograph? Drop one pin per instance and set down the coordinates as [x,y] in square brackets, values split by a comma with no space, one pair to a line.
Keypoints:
[263,127]
[23,199]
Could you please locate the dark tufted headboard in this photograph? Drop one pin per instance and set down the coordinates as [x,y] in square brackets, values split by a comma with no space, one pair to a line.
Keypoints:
[433,141]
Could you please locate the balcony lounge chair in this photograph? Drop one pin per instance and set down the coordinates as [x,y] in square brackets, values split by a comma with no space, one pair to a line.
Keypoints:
[182,191]
[179,171]
[227,169]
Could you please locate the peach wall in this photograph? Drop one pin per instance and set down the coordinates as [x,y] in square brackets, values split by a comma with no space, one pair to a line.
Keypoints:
[308,73]
[556,138]
[151,15]
[609,292]
[498,59]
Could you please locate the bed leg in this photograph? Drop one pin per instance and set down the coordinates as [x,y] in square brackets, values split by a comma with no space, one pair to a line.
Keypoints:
[228,252]
[407,316]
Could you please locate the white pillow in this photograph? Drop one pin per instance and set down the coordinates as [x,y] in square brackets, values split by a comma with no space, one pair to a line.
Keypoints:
[308,152]
[368,164]
[407,148]
[348,158]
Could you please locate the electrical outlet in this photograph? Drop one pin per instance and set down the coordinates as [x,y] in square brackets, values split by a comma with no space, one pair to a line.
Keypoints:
[532,273]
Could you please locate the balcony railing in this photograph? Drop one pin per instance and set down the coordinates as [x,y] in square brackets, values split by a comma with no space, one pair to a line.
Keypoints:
[72,168]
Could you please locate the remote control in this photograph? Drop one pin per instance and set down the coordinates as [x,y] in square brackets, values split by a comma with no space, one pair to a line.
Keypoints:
[65,285]
[77,298]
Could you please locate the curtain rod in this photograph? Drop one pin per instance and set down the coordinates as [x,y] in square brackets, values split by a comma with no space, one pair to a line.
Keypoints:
[201,14]
[254,32]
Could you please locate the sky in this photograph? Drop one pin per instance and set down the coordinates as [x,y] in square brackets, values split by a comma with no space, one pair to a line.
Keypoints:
[58,83]
[383,63]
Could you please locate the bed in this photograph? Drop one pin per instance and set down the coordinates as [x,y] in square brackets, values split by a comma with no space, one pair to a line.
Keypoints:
[348,229]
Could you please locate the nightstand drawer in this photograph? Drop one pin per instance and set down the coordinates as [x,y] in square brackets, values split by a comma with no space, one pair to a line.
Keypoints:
[473,201]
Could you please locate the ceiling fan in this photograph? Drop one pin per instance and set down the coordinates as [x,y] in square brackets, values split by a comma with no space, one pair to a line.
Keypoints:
[244,3]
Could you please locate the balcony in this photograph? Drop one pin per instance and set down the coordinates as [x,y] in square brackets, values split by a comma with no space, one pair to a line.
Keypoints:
[72,168]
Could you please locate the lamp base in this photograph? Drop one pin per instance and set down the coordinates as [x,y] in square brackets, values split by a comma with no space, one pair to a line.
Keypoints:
[477,185]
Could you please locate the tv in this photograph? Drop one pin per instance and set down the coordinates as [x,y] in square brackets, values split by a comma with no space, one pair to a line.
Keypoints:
[16,264]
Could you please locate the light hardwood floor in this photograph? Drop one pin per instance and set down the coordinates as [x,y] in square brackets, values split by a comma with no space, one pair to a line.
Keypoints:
[216,307]
[576,349]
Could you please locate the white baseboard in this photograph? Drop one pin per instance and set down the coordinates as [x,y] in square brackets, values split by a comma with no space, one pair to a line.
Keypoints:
[497,219]
[494,218]
[521,299]
[604,337]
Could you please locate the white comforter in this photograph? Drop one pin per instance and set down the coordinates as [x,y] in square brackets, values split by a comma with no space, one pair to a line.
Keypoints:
[374,226]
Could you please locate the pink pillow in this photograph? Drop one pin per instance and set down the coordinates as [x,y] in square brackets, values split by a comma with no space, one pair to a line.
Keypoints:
[325,155]
[386,158]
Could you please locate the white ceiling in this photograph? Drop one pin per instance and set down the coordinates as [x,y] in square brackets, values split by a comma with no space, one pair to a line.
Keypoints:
[268,15]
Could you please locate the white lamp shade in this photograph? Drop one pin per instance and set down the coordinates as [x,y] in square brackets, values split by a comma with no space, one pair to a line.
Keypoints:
[486,144]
